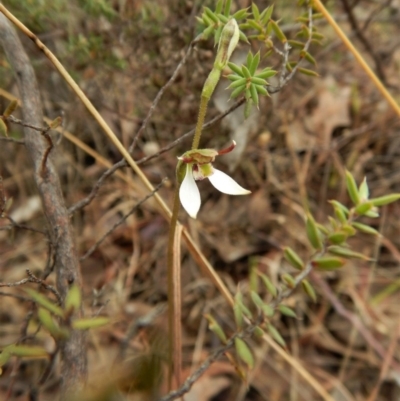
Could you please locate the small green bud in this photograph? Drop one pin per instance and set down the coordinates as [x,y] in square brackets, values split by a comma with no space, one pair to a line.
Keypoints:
[227,43]
[244,352]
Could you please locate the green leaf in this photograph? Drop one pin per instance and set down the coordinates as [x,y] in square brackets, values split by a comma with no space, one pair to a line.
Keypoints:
[268,284]
[365,228]
[363,191]
[261,90]
[266,14]
[216,328]
[90,323]
[276,335]
[259,81]
[244,352]
[328,263]
[10,108]
[254,64]
[363,208]
[73,299]
[45,302]
[306,71]
[227,8]
[27,351]
[296,44]
[309,290]
[338,237]
[211,15]
[255,11]
[48,322]
[278,31]
[237,92]
[254,94]
[313,233]
[285,310]
[289,280]
[352,188]
[291,256]
[266,73]
[238,83]
[385,200]
[246,72]
[3,128]
[235,68]
[346,252]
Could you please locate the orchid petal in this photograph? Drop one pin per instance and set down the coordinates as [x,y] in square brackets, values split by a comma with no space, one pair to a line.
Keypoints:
[226,184]
[189,194]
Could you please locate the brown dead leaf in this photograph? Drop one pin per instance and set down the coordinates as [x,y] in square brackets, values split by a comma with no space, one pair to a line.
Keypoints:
[331,112]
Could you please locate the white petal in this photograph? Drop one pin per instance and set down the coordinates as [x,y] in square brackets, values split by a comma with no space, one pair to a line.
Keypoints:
[226,184]
[189,193]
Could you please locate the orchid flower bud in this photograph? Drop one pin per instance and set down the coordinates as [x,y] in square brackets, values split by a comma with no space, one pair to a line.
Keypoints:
[227,43]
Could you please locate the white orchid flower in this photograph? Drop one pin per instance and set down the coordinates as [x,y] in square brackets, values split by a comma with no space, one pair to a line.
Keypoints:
[197,165]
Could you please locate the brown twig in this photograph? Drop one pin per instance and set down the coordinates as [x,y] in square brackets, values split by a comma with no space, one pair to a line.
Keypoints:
[120,221]
[363,39]
[73,350]
[352,318]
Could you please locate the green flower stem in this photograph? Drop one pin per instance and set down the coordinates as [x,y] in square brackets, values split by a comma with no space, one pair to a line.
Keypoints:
[208,89]
[174,293]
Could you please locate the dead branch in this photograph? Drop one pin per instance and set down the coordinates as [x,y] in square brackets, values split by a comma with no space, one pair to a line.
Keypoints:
[73,350]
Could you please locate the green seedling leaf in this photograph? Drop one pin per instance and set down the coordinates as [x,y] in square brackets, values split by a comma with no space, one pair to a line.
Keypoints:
[268,284]
[90,323]
[259,303]
[291,256]
[234,77]
[244,352]
[328,263]
[73,299]
[385,200]
[216,328]
[308,57]
[313,233]
[255,25]
[346,252]
[10,108]
[309,290]
[276,335]
[352,188]
[45,302]
[238,83]
[365,228]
